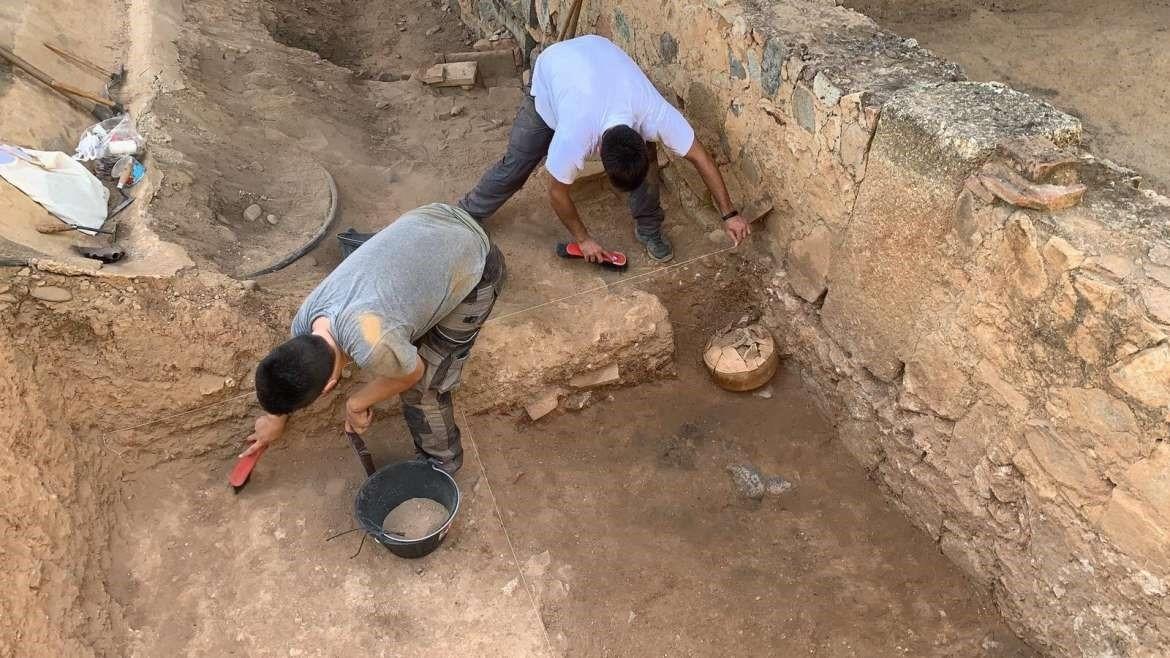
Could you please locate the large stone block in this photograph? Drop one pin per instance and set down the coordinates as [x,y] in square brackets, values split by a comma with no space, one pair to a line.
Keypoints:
[933,375]
[1098,422]
[808,263]
[516,359]
[1150,479]
[1137,529]
[1063,462]
[966,121]
[974,432]
[1157,300]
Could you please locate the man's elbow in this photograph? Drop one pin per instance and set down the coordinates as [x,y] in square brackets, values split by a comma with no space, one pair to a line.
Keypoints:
[415,376]
[697,153]
[558,193]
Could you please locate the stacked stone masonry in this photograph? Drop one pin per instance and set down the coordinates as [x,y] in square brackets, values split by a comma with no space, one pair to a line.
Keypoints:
[1004,372]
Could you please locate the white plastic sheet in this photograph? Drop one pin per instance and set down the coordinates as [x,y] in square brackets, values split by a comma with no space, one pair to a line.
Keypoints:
[58,182]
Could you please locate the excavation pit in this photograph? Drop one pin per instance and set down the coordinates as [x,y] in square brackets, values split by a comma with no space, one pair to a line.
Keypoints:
[948,361]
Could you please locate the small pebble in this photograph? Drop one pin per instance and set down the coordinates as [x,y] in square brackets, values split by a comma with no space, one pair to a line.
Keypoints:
[253,212]
[248,284]
[381,105]
[765,393]
[456,110]
[271,219]
[434,30]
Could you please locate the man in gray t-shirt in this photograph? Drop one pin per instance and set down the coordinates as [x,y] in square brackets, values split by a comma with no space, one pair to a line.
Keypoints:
[407,307]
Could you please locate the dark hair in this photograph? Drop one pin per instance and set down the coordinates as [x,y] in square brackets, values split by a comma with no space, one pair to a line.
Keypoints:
[294,374]
[625,157]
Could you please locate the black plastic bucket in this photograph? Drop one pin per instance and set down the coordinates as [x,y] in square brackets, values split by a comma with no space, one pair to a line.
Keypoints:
[350,240]
[395,484]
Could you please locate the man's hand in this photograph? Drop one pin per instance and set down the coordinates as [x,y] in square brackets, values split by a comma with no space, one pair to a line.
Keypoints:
[591,250]
[357,418]
[737,229]
[268,429]
[359,408]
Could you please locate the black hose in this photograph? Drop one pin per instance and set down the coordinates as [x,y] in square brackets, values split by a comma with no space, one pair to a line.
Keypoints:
[313,241]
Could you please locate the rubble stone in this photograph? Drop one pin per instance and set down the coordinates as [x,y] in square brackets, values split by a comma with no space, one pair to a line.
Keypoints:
[1061,256]
[1067,465]
[804,108]
[1137,528]
[1145,376]
[748,481]
[602,377]
[50,294]
[579,400]
[1157,300]
[544,404]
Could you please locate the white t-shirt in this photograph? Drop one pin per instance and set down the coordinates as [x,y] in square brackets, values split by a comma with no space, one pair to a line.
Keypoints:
[585,86]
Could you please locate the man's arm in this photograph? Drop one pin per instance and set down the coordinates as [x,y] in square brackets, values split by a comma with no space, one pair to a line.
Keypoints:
[737,227]
[562,203]
[359,412]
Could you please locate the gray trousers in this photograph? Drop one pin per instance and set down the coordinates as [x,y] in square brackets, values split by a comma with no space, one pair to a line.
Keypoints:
[428,406]
[527,146]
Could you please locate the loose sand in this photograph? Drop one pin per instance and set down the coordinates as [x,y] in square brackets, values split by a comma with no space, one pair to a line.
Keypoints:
[416,518]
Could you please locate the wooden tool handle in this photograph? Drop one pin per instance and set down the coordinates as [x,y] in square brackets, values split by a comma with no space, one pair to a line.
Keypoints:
[25,66]
[78,60]
[43,77]
[68,89]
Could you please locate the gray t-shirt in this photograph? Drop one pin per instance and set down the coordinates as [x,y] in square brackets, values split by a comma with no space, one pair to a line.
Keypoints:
[387,294]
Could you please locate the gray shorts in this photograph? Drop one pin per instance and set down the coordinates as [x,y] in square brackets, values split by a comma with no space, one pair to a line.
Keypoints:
[428,406]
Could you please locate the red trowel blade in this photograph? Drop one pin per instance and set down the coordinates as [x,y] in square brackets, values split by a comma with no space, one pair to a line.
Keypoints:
[614,260]
[243,469]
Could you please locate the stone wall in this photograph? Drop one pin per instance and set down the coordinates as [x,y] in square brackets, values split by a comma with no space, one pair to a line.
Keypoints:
[1003,371]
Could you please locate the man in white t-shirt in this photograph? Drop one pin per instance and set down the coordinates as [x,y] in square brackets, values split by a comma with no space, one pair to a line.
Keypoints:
[590,98]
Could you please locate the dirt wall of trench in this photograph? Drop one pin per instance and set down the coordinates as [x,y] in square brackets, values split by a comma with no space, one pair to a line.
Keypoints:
[1002,371]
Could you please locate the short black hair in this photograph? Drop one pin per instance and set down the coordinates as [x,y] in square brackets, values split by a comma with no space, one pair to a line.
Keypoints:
[294,374]
[625,157]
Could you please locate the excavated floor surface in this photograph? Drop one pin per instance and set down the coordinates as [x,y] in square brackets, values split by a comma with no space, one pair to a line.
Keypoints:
[624,522]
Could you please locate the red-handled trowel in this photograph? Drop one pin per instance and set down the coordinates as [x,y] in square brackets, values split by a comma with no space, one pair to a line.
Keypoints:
[243,469]
[614,260]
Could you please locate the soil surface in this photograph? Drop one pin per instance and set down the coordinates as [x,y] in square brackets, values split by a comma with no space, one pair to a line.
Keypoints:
[625,523]
[614,530]
[1105,62]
